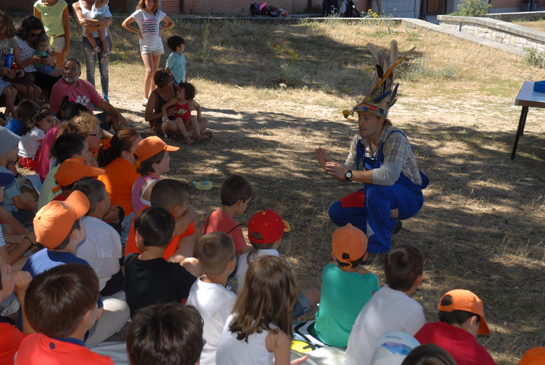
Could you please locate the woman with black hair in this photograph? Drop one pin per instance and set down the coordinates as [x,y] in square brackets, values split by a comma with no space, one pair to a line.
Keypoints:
[26,33]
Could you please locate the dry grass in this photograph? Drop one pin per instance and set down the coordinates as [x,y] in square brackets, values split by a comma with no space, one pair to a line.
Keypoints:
[481,227]
[535,24]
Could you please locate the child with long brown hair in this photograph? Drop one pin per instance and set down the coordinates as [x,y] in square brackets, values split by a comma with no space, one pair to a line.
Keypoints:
[260,326]
[33,133]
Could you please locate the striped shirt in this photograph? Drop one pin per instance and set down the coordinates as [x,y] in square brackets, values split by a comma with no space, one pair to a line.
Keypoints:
[396,149]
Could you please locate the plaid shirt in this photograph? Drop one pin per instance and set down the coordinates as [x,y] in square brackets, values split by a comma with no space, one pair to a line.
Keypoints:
[396,149]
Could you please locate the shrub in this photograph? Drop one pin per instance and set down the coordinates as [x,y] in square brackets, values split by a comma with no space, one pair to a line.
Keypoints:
[472,8]
[534,57]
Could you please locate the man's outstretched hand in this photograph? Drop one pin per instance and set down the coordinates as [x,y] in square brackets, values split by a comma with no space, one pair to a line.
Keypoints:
[322,157]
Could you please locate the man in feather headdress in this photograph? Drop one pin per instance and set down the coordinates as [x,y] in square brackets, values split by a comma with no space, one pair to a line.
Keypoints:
[382,158]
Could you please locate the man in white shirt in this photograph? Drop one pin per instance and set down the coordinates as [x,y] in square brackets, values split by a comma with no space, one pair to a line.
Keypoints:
[391,308]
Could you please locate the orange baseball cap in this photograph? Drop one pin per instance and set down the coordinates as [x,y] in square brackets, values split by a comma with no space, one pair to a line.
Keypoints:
[464,300]
[53,222]
[349,243]
[151,146]
[72,170]
[268,224]
[534,356]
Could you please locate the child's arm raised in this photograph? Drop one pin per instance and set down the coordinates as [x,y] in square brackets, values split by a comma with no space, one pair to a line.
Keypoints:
[279,343]
[165,107]
[22,280]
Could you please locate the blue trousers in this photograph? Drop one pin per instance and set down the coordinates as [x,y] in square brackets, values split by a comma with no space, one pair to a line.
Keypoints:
[374,217]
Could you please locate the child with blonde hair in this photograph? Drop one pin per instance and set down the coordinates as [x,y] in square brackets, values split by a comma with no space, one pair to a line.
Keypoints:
[260,327]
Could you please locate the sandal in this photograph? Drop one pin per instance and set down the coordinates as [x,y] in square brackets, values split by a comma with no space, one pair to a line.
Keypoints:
[105,58]
[206,136]
[188,140]
[96,51]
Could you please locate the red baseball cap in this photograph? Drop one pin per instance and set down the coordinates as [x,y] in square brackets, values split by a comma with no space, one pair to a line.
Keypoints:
[54,221]
[349,243]
[268,224]
[464,300]
[151,146]
[72,170]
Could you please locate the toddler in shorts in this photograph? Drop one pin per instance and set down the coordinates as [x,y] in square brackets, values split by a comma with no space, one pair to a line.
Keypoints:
[100,11]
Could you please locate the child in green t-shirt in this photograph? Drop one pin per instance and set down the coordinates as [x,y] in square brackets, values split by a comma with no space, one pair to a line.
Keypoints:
[346,287]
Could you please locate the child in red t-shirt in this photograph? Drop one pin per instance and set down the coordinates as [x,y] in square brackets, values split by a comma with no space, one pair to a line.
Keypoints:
[236,193]
[461,319]
[61,305]
[10,336]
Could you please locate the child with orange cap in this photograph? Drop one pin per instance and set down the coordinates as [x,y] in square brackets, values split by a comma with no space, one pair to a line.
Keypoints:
[265,230]
[153,160]
[461,319]
[59,229]
[344,278]
[70,172]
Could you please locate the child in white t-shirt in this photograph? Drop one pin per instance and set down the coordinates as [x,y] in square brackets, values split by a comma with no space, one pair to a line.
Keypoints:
[149,18]
[33,133]
[391,308]
[208,294]
[265,230]
[260,327]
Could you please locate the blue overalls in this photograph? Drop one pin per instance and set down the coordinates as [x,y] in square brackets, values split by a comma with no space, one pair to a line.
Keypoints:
[373,214]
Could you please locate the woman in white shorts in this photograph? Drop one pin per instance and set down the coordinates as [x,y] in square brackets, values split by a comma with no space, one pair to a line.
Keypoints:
[149,18]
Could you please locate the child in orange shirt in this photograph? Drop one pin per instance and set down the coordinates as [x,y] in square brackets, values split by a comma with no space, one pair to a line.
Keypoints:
[70,172]
[61,305]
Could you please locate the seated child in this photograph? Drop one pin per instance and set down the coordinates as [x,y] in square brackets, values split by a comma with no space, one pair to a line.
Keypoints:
[99,11]
[236,193]
[43,51]
[44,102]
[260,326]
[391,308]
[13,255]
[69,145]
[176,60]
[102,247]
[149,278]
[209,295]
[173,195]
[70,172]
[461,319]
[61,306]
[10,336]
[341,279]
[20,206]
[265,230]
[25,111]
[428,354]
[154,158]
[188,126]
[33,133]
[165,334]
[59,229]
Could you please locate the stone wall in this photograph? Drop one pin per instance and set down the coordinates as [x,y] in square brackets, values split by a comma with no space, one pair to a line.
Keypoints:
[497,31]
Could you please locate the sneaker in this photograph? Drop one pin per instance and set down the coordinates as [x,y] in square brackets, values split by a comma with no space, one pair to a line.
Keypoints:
[96,51]
[105,58]
[145,102]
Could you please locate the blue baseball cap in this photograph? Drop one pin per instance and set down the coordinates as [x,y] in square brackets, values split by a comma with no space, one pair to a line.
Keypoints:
[6,178]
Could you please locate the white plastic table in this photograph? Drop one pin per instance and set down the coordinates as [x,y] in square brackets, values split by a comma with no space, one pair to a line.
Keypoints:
[526,98]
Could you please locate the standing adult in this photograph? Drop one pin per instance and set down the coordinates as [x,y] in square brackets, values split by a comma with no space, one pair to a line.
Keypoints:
[382,158]
[83,92]
[56,21]
[82,12]
[149,18]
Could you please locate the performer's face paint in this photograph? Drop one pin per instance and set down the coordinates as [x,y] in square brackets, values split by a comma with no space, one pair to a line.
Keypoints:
[370,125]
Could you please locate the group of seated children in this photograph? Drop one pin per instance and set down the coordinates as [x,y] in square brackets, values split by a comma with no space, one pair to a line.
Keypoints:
[82,288]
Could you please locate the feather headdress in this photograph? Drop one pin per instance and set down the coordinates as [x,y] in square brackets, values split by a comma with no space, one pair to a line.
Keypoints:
[383,94]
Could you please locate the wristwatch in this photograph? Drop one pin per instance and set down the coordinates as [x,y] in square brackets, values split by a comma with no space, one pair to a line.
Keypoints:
[348,175]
